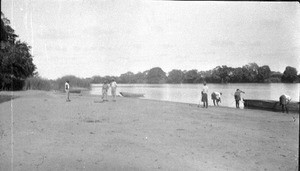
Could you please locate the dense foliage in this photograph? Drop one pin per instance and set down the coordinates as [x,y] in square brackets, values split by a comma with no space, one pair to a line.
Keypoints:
[15,59]
[250,73]
[38,83]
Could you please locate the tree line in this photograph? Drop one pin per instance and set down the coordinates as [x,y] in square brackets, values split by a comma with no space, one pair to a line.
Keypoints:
[15,59]
[250,73]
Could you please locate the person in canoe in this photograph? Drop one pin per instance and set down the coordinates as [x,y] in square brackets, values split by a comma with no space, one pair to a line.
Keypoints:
[284,100]
[237,97]
[105,88]
[216,97]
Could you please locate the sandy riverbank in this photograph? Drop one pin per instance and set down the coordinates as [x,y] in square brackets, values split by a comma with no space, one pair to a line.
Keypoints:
[133,134]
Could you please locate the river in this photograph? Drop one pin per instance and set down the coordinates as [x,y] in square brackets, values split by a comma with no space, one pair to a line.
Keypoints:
[191,93]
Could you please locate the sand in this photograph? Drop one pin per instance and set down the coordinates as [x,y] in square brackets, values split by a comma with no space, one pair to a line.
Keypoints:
[41,131]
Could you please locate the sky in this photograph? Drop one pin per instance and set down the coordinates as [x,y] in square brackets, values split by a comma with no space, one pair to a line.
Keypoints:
[111,37]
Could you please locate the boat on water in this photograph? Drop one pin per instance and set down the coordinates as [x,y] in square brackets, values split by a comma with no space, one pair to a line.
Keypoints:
[271,105]
[127,94]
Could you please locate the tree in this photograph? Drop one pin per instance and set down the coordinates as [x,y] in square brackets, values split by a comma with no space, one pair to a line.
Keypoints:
[289,75]
[140,77]
[190,76]
[97,79]
[250,72]
[128,77]
[237,76]
[156,75]
[175,76]
[275,77]
[264,73]
[16,63]
[222,74]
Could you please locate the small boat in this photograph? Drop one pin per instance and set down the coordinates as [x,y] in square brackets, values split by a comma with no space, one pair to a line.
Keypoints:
[75,91]
[126,94]
[271,105]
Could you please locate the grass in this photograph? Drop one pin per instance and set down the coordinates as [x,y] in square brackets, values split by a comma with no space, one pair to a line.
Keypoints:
[38,83]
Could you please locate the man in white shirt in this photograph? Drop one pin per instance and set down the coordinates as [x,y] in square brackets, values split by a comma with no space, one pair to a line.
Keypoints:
[284,100]
[67,90]
[113,86]
[204,95]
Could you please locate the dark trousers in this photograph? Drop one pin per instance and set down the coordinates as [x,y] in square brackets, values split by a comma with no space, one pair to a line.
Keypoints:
[205,100]
[237,103]
[284,108]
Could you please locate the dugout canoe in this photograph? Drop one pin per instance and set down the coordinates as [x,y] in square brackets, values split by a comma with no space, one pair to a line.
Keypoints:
[127,94]
[75,91]
[271,105]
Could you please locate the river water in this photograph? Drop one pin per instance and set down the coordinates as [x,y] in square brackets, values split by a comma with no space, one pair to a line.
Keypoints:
[191,93]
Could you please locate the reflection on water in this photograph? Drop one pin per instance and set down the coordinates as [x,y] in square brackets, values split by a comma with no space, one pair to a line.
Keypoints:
[191,93]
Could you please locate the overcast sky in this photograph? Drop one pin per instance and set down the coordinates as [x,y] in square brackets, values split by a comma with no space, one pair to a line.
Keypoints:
[109,37]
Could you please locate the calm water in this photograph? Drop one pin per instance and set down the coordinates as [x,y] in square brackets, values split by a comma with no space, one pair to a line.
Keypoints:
[191,93]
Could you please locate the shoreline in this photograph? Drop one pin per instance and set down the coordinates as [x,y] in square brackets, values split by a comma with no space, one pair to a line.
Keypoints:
[141,134]
[57,92]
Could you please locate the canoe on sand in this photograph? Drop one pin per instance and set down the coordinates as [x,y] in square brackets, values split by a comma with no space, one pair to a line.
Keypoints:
[126,94]
[271,105]
[75,91]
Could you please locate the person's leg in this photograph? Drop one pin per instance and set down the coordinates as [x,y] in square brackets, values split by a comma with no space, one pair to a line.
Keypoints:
[215,102]
[114,94]
[204,99]
[68,96]
[282,108]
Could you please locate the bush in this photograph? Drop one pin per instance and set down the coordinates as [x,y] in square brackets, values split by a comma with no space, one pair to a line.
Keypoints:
[37,83]
[74,82]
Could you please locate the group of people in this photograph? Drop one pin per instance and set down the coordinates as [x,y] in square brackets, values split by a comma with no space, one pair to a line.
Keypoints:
[216,97]
[105,88]
[113,85]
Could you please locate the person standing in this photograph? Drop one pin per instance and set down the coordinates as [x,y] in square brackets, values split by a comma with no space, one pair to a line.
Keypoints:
[204,95]
[67,90]
[113,86]
[105,88]
[284,100]
[237,97]
[216,97]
